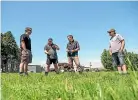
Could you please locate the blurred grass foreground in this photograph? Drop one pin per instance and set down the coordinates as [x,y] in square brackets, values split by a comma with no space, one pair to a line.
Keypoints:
[70,86]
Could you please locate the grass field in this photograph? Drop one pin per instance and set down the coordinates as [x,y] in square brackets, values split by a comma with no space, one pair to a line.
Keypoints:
[70,86]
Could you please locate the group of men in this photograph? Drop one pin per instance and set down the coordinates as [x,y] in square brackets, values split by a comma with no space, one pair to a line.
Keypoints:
[116,48]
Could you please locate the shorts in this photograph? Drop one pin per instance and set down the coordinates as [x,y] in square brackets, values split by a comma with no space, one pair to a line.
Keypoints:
[50,61]
[26,56]
[118,59]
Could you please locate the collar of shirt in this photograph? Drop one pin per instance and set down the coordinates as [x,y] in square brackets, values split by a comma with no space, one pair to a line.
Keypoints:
[71,42]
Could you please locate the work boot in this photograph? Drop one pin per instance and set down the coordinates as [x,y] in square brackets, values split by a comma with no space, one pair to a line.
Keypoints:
[21,73]
[26,74]
[46,73]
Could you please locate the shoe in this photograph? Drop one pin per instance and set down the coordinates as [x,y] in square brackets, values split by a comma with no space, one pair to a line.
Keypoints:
[26,74]
[80,70]
[57,72]
[46,73]
[21,73]
[125,73]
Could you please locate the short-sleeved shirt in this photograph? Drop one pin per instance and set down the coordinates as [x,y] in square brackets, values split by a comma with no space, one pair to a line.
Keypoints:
[72,46]
[26,40]
[51,50]
[115,43]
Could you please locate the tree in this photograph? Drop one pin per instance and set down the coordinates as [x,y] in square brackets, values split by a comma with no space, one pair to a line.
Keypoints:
[106,60]
[131,60]
[9,51]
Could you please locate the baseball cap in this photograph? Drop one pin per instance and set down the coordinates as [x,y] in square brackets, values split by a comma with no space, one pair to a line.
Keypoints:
[111,30]
[28,29]
[50,39]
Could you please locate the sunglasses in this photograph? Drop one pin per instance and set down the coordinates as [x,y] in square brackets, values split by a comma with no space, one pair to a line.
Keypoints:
[49,41]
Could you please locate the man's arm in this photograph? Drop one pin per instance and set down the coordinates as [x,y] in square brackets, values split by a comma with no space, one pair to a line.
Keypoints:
[57,47]
[46,50]
[77,49]
[122,42]
[23,45]
[122,45]
[110,51]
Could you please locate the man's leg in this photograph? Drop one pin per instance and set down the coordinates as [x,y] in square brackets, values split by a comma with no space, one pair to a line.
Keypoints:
[25,68]
[70,61]
[122,63]
[124,68]
[55,61]
[21,68]
[119,69]
[116,62]
[77,63]
[47,69]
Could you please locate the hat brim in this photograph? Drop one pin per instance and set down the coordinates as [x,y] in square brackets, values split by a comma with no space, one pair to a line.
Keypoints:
[108,31]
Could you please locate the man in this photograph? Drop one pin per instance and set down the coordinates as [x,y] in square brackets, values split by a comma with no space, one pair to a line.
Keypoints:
[72,52]
[50,50]
[117,44]
[26,55]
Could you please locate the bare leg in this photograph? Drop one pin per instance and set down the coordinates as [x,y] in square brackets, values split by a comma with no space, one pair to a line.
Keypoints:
[25,67]
[56,68]
[124,68]
[47,69]
[77,63]
[119,69]
[21,67]
[70,61]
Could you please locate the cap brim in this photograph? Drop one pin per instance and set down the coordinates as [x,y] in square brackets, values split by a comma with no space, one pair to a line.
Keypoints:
[108,31]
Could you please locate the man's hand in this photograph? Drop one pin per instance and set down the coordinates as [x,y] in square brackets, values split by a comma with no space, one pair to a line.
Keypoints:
[46,52]
[110,53]
[122,46]
[67,51]
[72,51]
[55,46]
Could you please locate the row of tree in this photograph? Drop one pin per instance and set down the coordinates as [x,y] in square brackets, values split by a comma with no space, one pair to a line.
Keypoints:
[10,53]
[131,60]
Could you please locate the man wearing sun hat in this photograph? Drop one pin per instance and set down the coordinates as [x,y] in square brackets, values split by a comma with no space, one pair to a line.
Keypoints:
[26,55]
[117,44]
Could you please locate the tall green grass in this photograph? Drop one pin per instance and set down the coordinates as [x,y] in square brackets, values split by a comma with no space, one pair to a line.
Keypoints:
[70,86]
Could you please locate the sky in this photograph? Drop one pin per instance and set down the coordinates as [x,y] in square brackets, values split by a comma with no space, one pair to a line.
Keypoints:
[88,22]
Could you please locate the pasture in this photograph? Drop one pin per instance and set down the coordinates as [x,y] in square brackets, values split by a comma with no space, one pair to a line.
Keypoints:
[70,86]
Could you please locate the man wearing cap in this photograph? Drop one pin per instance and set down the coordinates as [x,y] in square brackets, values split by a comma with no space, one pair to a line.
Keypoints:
[50,49]
[72,52]
[26,55]
[117,44]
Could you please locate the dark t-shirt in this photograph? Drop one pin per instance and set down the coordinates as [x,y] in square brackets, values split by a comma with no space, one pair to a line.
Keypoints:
[52,51]
[72,46]
[26,40]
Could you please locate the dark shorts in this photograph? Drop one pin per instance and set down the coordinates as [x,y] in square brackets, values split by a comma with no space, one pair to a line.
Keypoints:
[118,59]
[50,61]
[26,56]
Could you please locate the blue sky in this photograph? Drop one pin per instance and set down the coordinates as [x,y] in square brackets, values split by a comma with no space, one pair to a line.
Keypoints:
[88,22]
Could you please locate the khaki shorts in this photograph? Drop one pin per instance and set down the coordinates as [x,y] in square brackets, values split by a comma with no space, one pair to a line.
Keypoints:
[75,59]
[26,56]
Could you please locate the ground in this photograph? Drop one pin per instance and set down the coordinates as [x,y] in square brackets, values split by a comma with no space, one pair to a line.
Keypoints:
[70,86]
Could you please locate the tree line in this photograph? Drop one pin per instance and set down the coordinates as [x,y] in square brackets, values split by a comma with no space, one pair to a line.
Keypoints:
[10,53]
[131,60]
